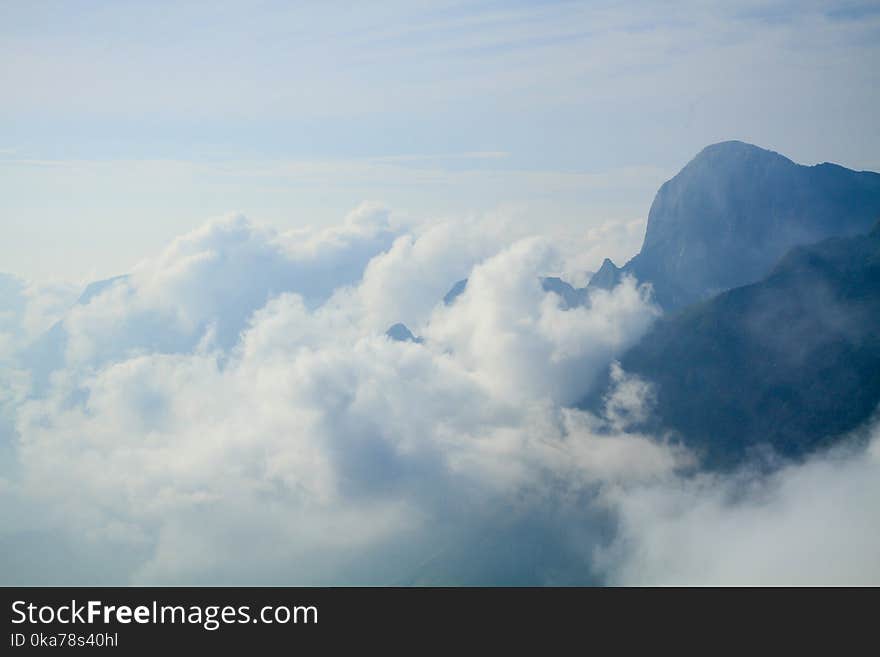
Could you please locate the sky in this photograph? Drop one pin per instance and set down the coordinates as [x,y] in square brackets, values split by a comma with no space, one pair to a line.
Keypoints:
[282,182]
[125,124]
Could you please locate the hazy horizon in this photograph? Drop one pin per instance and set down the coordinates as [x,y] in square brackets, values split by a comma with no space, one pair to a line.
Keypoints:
[125,125]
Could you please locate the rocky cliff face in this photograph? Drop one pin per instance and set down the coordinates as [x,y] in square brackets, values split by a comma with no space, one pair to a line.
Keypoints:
[728,216]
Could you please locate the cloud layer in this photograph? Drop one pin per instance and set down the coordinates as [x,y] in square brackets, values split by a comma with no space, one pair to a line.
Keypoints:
[232,412]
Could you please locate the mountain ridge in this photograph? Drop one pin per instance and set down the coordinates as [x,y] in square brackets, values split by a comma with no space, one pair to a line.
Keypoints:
[728,216]
[791,362]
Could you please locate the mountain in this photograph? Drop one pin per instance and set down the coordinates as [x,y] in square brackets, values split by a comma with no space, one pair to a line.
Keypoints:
[791,361]
[607,277]
[400,333]
[455,291]
[97,287]
[46,354]
[571,296]
[728,216]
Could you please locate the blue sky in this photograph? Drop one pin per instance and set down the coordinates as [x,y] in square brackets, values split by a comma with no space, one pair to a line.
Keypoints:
[125,124]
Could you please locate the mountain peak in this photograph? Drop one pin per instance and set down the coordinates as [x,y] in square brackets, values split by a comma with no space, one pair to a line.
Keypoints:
[728,216]
[735,152]
[607,277]
[732,146]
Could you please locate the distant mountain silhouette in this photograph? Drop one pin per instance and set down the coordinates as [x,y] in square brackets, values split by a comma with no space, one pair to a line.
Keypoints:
[95,288]
[46,354]
[791,361]
[607,277]
[728,216]
[400,333]
[571,296]
[455,291]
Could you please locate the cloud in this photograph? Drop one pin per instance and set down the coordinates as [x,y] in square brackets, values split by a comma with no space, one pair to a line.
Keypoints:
[28,309]
[232,412]
[811,523]
[222,395]
[206,284]
[516,337]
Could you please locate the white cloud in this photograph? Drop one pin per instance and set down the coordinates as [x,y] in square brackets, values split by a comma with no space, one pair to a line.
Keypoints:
[314,434]
[813,523]
[232,412]
[28,309]
[207,283]
[515,337]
